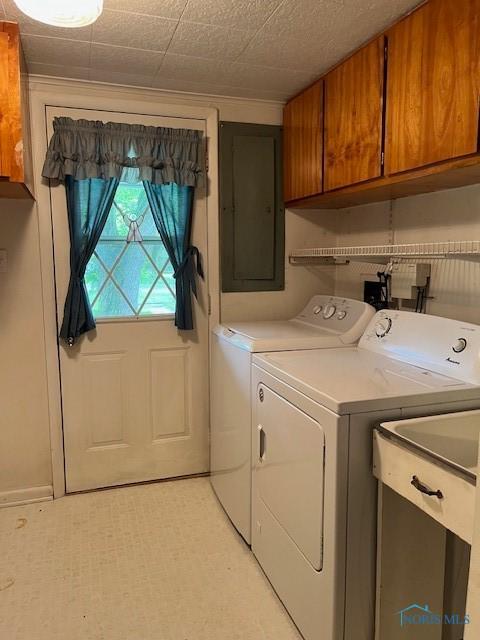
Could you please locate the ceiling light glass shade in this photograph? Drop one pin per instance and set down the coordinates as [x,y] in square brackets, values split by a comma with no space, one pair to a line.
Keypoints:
[62,13]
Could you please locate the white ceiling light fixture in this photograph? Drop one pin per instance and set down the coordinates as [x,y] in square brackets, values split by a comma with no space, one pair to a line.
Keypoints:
[62,13]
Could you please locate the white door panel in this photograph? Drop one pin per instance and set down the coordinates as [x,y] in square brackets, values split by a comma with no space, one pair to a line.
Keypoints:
[135,390]
[289,469]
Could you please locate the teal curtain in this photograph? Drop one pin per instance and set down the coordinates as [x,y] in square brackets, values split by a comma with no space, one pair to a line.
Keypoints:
[91,157]
[172,206]
[88,205]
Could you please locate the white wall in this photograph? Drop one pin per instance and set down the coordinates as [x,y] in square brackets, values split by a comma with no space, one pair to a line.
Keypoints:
[302,229]
[444,215]
[24,417]
[24,433]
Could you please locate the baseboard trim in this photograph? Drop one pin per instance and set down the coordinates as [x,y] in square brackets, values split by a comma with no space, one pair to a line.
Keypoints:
[26,496]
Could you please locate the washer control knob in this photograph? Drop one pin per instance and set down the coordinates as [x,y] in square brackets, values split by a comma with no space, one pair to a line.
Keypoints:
[317,308]
[383,326]
[460,345]
[329,311]
[341,315]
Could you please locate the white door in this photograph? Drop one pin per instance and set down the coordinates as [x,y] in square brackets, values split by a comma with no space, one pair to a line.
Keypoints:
[288,460]
[135,390]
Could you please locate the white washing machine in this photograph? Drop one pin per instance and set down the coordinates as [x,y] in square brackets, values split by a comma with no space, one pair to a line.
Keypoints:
[313,493]
[325,322]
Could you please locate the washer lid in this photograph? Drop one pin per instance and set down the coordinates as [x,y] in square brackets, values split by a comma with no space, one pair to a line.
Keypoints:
[278,335]
[353,380]
[326,321]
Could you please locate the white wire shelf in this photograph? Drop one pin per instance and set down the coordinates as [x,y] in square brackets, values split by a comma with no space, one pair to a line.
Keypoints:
[459,249]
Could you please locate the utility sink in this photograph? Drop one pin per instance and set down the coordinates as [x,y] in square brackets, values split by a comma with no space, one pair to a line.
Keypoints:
[432,462]
[451,438]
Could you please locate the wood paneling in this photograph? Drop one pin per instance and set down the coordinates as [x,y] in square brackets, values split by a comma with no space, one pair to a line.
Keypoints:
[14,125]
[446,175]
[353,118]
[432,86]
[303,143]
[15,107]
[4,107]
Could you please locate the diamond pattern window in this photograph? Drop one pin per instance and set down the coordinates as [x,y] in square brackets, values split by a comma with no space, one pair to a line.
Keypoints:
[130,275]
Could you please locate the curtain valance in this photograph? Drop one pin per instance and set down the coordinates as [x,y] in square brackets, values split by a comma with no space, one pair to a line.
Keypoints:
[93,149]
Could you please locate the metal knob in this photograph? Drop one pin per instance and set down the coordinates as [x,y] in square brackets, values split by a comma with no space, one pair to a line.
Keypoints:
[460,345]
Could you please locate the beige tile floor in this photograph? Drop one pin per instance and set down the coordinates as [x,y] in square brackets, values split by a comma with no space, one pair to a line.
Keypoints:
[151,562]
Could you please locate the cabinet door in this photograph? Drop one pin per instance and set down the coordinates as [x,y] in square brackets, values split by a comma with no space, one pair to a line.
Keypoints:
[354,118]
[15,158]
[302,144]
[432,86]
[4,107]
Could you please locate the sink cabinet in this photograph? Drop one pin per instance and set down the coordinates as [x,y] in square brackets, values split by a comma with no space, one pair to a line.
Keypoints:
[396,466]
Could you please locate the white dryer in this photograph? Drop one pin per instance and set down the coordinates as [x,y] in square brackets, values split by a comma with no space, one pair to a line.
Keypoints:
[313,493]
[325,322]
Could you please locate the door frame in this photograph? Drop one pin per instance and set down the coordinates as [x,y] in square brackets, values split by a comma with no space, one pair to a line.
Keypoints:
[45,94]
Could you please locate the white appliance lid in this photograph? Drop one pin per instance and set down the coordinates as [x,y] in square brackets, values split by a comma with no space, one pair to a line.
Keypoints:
[279,330]
[326,321]
[286,335]
[353,380]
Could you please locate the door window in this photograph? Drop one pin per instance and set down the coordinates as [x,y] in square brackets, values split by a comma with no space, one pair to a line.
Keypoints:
[129,273]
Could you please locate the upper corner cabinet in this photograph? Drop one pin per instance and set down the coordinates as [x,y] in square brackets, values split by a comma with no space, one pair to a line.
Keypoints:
[433,85]
[302,144]
[15,159]
[354,118]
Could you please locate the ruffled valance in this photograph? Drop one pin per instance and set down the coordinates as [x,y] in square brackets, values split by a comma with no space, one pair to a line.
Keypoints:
[94,149]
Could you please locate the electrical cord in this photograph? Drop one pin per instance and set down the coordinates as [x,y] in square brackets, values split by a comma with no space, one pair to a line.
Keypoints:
[384,289]
[422,297]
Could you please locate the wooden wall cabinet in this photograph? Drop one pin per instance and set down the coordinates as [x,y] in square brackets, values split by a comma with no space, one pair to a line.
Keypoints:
[354,118]
[417,108]
[15,155]
[433,85]
[303,143]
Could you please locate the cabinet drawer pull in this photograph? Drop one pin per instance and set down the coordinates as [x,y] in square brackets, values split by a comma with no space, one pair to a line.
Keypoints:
[424,489]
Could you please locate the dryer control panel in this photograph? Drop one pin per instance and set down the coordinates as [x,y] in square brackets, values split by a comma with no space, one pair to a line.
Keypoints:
[442,345]
[338,314]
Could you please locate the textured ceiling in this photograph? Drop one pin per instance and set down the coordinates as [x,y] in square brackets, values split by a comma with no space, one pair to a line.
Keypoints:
[265,49]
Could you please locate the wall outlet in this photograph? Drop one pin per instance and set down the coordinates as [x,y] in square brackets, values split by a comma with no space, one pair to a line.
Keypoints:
[3,261]
[406,278]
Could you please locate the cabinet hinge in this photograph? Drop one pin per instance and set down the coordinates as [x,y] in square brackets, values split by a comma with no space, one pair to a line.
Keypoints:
[209,305]
[207,166]
[382,158]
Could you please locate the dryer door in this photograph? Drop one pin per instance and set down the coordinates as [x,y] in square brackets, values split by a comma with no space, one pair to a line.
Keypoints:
[289,467]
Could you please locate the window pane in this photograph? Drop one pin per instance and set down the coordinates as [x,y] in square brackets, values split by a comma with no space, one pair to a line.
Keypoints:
[95,276]
[130,256]
[111,303]
[168,275]
[135,274]
[160,301]
[157,252]
[108,252]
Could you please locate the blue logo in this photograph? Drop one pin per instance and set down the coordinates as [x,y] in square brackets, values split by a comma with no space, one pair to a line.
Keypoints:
[418,614]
